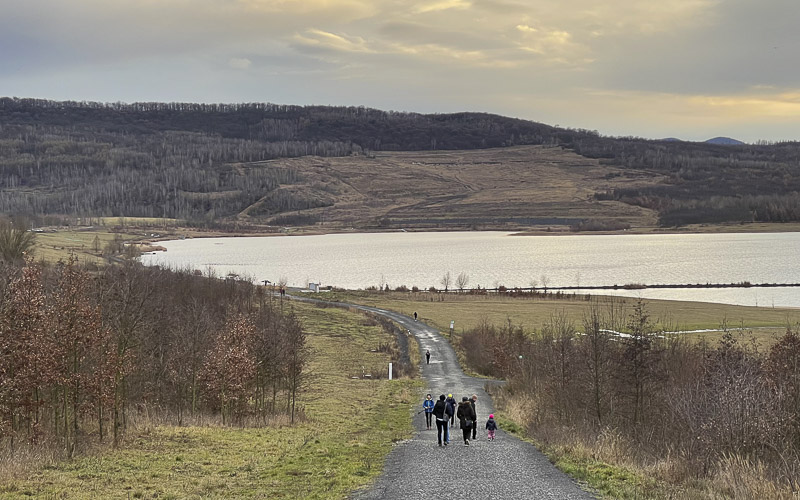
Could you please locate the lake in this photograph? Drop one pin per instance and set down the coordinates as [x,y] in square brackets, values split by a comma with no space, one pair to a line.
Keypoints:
[493,258]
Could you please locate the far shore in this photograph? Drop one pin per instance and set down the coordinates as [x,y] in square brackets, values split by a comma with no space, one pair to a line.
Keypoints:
[179,232]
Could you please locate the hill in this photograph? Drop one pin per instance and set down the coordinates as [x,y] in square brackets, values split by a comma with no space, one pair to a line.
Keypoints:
[515,187]
[725,141]
[218,164]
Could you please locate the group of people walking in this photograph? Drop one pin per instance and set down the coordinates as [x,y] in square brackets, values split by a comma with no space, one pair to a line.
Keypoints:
[446,410]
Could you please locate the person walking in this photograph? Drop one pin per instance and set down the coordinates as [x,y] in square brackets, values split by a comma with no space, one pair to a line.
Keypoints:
[427,407]
[442,411]
[475,418]
[491,426]
[452,402]
[415,315]
[466,415]
[428,356]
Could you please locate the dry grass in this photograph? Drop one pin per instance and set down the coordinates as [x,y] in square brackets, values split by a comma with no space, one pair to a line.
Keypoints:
[59,245]
[741,479]
[605,462]
[469,311]
[429,188]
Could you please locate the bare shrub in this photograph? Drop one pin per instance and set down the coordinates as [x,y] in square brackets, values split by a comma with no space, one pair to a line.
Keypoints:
[626,392]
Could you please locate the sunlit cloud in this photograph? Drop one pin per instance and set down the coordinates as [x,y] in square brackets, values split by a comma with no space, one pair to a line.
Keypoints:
[333,41]
[425,7]
[751,107]
[711,114]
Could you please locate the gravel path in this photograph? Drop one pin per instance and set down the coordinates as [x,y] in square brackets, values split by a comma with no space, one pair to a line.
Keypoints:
[504,468]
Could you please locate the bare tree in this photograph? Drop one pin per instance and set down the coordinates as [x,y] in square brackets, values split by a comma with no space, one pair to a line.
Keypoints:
[296,359]
[446,281]
[596,349]
[462,280]
[545,281]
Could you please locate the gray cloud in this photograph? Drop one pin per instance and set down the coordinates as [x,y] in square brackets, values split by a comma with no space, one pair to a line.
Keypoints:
[608,65]
[744,44]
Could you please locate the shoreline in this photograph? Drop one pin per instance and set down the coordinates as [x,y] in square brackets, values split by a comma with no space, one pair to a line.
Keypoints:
[753,228]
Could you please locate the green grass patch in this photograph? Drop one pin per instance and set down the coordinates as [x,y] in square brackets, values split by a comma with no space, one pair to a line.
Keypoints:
[611,481]
[349,429]
[52,247]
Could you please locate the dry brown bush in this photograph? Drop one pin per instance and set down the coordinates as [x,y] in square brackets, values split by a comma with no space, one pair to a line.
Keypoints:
[727,416]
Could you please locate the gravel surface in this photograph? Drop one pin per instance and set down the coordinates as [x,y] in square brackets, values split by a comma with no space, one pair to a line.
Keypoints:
[504,468]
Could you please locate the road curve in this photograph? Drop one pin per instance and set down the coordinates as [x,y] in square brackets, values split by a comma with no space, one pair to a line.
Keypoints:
[504,468]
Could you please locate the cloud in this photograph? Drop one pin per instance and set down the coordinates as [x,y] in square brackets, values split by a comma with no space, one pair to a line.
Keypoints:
[436,6]
[601,65]
[240,63]
[324,40]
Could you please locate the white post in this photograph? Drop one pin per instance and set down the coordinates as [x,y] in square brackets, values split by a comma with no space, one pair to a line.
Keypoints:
[390,371]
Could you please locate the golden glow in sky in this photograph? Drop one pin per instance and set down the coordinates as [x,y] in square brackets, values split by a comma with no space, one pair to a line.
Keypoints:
[692,69]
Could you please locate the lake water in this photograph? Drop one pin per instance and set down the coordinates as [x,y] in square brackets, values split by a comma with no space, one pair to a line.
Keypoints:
[499,258]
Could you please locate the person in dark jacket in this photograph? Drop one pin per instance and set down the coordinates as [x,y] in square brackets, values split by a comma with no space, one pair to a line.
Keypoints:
[475,419]
[491,426]
[442,411]
[428,356]
[427,407]
[466,415]
[452,402]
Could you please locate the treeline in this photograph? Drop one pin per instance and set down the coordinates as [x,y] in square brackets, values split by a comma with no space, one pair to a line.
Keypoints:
[706,182]
[357,126]
[81,354]
[646,397]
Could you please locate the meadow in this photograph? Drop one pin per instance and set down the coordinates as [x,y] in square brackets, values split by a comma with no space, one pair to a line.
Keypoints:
[532,312]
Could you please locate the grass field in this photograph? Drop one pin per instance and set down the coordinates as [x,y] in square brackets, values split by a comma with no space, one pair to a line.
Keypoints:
[531,313]
[52,247]
[349,428]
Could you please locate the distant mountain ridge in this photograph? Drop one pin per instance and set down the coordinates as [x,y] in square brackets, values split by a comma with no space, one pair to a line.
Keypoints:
[720,141]
[725,141]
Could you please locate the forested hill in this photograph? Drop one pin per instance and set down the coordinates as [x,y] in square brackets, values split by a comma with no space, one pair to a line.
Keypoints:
[200,162]
[358,128]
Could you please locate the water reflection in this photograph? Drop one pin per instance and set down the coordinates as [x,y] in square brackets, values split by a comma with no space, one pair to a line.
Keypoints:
[497,258]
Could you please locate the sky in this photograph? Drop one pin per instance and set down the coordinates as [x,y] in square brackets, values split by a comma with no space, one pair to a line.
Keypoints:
[691,69]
